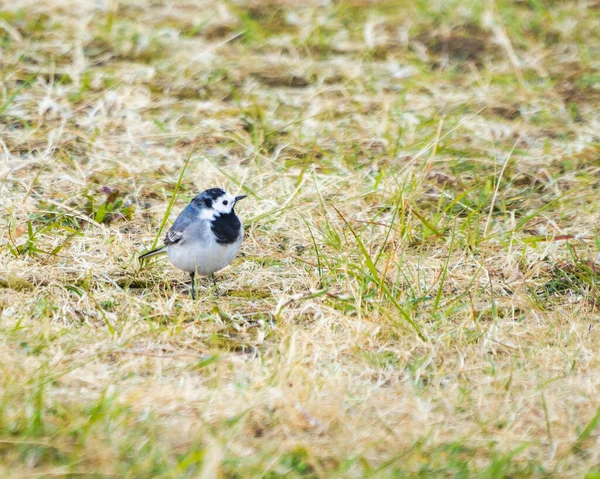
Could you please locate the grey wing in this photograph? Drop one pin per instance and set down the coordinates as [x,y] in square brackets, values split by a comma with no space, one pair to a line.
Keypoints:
[173,237]
[175,233]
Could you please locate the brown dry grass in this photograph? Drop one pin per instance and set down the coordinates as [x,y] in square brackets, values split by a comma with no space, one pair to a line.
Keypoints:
[432,163]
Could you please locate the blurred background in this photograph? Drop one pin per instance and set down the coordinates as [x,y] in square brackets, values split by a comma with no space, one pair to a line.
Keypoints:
[416,294]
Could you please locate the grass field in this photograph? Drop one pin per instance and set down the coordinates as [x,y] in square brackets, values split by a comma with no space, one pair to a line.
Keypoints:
[417,292]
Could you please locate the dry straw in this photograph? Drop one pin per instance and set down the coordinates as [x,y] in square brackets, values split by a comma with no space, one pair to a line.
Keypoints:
[416,293]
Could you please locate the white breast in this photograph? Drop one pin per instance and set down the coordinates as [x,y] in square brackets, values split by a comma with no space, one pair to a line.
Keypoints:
[205,257]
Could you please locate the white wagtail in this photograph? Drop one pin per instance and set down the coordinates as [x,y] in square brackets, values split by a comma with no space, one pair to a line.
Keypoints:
[205,237]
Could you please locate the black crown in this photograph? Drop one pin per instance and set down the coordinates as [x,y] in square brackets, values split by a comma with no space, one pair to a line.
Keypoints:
[207,197]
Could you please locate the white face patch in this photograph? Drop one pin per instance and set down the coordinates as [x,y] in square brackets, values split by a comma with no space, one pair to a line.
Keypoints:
[224,204]
[207,214]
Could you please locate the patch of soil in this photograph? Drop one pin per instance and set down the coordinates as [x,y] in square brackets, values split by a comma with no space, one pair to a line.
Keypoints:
[467,42]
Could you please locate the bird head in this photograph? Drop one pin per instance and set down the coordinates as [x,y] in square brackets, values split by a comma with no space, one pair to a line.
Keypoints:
[217,201]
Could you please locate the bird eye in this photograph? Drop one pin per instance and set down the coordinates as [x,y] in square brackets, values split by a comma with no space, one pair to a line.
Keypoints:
[225,202]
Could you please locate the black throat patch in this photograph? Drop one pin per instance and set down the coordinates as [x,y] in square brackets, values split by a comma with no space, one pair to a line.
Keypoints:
[226,228]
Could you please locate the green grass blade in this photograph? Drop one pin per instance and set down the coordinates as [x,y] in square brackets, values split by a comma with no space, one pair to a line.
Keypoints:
[173,197]
[317,252]
[438,296]
[21,87]
[587,431]
[426,222]
[381,282]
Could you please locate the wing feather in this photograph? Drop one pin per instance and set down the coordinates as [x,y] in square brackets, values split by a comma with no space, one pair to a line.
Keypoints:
[173,237]
[175,233]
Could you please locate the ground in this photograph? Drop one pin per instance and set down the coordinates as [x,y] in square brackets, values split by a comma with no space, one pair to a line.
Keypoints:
[417,291]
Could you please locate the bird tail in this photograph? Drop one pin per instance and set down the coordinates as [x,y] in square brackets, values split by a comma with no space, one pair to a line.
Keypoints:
[154,252]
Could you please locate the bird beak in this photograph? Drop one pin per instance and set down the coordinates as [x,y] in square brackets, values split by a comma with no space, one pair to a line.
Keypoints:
[241,197]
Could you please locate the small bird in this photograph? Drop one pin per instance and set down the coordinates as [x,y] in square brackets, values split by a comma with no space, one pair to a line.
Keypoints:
[205,237]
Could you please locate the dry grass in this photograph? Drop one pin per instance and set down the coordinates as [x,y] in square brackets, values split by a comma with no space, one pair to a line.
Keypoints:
[417,290]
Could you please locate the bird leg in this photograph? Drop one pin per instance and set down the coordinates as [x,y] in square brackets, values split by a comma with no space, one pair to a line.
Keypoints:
[193,275]
[215,284]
